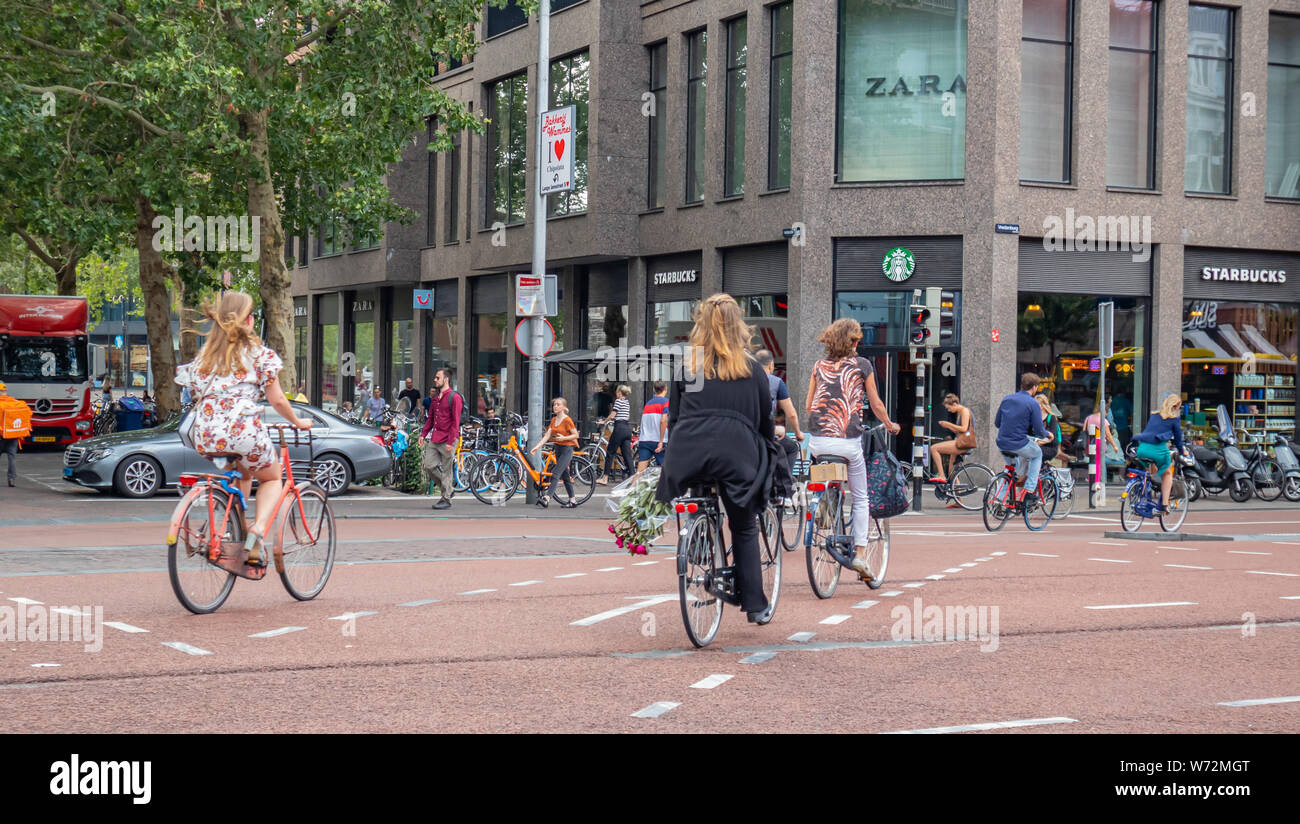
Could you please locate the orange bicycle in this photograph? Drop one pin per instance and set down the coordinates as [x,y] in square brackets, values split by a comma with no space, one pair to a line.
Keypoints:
[205,544]
[495,477]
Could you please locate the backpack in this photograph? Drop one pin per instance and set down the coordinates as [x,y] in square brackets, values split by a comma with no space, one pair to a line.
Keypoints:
[887,487]
[15,418]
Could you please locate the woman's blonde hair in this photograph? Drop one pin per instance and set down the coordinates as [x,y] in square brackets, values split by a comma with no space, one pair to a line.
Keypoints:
[229,338]
[719,340]
[1171,405]
[559,399]
[1044,403]
[951,400]
[624,390]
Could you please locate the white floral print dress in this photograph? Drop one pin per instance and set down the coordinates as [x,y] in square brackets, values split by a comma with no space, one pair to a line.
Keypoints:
[229,413]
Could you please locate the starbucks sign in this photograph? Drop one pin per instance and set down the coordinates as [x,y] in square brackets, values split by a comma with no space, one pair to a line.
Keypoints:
[898,264]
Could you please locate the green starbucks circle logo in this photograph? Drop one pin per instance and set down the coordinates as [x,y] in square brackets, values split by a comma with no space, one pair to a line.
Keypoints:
[898,264]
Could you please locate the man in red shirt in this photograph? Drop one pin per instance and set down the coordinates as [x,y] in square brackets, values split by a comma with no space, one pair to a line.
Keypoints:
[439,436]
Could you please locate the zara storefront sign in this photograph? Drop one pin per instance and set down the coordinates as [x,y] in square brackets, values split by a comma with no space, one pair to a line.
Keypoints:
[1244,275]
[682,276]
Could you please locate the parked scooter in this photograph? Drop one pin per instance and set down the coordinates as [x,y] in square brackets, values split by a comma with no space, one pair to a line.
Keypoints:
[1284,452]
[1225,468]
[1265,472]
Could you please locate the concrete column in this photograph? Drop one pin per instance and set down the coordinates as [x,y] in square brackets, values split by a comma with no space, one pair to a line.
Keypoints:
[636,316]
[710,271]
[1165,361]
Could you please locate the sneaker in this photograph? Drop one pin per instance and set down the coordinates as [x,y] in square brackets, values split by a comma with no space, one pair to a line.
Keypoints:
[542,503]
[762,617]
[443,504]
[860,567]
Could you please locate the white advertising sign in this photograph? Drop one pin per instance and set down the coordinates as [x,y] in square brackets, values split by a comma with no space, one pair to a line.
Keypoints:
[556,172]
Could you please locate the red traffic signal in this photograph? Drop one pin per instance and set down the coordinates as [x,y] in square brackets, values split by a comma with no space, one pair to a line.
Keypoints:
[917,331]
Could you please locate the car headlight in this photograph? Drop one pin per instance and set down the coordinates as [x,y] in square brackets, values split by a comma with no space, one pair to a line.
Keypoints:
[98,454]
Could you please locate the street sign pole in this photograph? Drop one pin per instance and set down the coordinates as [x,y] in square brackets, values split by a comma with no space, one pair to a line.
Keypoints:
[1106,351]
[536,373]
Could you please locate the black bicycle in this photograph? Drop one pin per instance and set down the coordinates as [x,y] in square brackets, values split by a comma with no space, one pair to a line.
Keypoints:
[706,574]
[966,483]
[829,538]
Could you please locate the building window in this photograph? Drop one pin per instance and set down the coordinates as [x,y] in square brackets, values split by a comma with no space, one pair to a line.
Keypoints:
[288,252]
[328,241]
[507,150]
[570,86]
[303,246]
[695,105]
[1046,81]
[1282,154]
[733,177]
[364,239]
[502,20]
[779,96]
[453,190]
[1209,88]
[1130,123]
[902,91]
[431,222]
[658,125]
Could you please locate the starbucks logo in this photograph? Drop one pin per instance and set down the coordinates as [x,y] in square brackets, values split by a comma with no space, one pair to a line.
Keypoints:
[898,264]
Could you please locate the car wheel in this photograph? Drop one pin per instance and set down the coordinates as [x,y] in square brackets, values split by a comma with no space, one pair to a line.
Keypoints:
[139,476]
[334,474]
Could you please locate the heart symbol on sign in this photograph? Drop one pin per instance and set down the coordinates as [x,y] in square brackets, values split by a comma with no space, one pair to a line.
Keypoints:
[559,149]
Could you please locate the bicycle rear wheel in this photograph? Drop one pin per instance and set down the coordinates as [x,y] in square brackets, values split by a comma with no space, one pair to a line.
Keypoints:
[998,505]
[968,485]
[696,568]
[770,554]
[200,586]
[1039,513]
[307,542]
[1269,479]
[793,518]
[584,479]
[878,552]
[1176,507]
[494,479]
[823,569]
[1128,517]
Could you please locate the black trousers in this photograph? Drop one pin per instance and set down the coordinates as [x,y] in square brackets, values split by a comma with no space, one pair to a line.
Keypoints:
[620,440]
[563,456]
[9,446]
[744,552]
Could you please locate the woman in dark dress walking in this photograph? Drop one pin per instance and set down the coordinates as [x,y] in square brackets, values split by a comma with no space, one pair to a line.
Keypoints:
[721,429]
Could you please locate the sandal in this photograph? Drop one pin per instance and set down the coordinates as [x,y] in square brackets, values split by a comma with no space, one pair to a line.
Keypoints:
[253,543]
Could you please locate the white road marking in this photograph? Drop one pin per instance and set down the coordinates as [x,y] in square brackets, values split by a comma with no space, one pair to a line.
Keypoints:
[572,575]
[69,611]
[1110,560]
[935,577]
[1039,555]
[712,681]
[984,559]
[476,592]
[46,665]
[966,565]
[1286,543]
[1291,597]
[524,583]
[123,627]
[802,637]
[1187,566]
[419,603]
[25,601]
[1283,574]
[835,619]
[271,633]
[914,585]
[186,648]
[1245,552]
[1136,606]
[869,604]
[609,569]
[891,593]
[996,554]
[656,709]
[1180,548]
[1254,702]
[1096,518]
[348,616]
[758,658]
[991,725]
[953,569]
[614,613]
[645,563]
[1106,543]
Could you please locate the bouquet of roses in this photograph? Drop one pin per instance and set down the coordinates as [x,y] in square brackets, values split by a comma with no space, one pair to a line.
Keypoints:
[640,517]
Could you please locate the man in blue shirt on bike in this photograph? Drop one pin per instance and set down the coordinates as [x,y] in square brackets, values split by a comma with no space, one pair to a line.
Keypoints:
[1018,416]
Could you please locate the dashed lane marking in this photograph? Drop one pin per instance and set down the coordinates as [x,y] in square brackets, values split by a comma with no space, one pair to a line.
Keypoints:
[645,563]
[935,577]
[524,583]
[271,633]
[476,592]
[996,554]
[966,565]
[419,603]
[1110,560]
[891,593]
[348,616]
[1255,702]
[26,601]
[46,665]
[186,648]
[1180,548]
[953,569]
[1246,552]
[914,585]
[1283,574]
[984,559]
[1291,597]
[572,575]
[865,604]
[614,613]
[1039,555]
[717,679]
[70,611]
[609,569]
[802,637]
[1187,566]
[1138,606]
[656,709]
[118,625]
[758,658]
[1105,543]
[991,725]
[835,619]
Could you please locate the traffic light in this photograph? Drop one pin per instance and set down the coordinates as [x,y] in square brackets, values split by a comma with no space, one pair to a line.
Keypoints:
[947,319]
[918,331]
[932,303]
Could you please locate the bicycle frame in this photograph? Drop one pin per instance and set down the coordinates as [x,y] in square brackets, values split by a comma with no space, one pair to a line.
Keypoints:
[724,585]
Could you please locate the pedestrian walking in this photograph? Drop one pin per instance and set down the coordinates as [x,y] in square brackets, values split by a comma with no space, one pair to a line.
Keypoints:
[621,439]
[564,434]
[412,396]
[654,429]
[15,424]
[439,435]
[375,406]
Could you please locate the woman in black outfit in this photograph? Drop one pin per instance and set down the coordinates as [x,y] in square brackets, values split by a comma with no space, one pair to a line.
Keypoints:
[721,430]
[621,439]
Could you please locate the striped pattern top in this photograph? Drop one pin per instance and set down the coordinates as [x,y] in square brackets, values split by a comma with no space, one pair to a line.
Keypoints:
[622,409]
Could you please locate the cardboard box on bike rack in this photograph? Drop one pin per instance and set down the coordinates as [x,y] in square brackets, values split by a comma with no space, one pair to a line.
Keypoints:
[821,473]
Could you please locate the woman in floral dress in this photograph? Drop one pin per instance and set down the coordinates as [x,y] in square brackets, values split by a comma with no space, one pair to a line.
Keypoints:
[232,374]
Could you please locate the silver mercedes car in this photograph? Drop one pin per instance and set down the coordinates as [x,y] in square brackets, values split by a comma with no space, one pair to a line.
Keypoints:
[138,464]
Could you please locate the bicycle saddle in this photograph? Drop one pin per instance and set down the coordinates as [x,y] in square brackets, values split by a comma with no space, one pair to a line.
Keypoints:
[831,459]
[1010,456]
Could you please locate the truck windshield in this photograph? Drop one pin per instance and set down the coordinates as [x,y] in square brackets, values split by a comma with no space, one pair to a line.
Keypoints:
[42,360]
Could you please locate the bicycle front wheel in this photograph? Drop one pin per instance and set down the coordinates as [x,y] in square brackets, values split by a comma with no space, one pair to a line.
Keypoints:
[696,570]
[969,484]
[200,586]
[1268,480]
[792,517]
[1176,507]
[494,479]
[1041,510]
[998,504]
[770,554]
[823,569]
[1128,517]
[878,552]
[307,542]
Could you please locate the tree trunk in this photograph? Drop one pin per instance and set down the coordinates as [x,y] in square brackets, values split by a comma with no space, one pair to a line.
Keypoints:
[275,282]
[66,273]
[189,314]
[154,276]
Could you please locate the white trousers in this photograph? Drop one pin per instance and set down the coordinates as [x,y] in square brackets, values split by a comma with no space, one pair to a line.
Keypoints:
[850,448]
